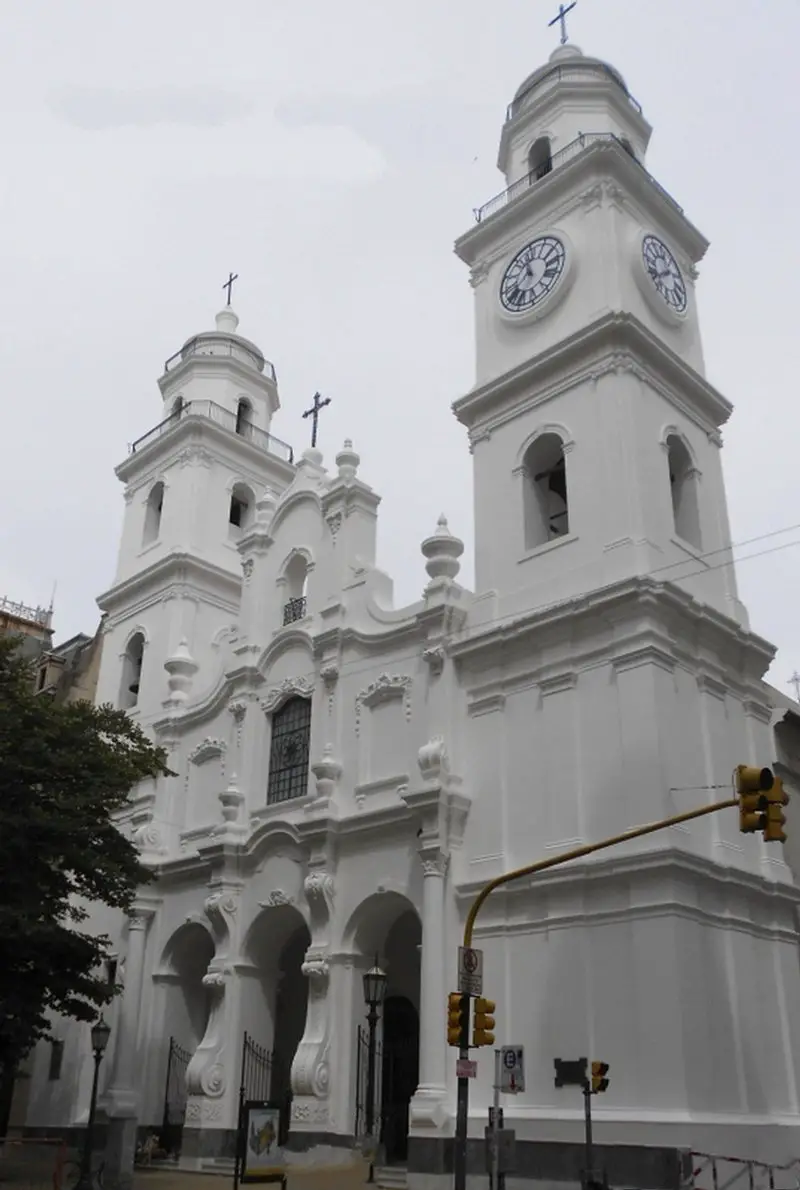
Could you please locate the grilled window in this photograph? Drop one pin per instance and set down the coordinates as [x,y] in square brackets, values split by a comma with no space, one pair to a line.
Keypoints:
[288,757]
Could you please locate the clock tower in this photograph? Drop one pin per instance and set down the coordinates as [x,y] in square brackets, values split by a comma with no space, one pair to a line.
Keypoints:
[594,432]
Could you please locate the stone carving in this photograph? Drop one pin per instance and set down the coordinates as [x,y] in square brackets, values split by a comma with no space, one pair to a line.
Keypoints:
[181,668]
[207,749]
[214,979]
[193,1109]
[238,708]
[212,1081]
[330,676]
[334,523]
[285,689]
[232,800]
[433,760]
[313,1112]
[384,688]
[247,569]
[275,898]
[148,837]
[434,657]
[319,886]
[434,865]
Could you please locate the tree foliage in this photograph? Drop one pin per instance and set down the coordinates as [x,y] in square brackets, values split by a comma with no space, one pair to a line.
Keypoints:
[65,773]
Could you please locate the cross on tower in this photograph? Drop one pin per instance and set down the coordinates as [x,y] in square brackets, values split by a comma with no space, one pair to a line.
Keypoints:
[794,680]
[313,413]
[229,285]
[562,19]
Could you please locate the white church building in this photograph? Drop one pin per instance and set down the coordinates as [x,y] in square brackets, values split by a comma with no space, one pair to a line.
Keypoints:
[350,773]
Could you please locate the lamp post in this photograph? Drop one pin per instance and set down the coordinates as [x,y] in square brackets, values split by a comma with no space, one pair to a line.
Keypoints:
[374,992]
[100,1035]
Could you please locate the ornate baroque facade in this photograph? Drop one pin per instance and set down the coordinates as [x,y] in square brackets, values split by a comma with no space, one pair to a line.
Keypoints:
[350,774]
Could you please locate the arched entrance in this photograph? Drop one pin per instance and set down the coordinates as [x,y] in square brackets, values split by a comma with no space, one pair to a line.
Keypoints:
[185,1013]
[399,1076]
[276,1001]
[388,927]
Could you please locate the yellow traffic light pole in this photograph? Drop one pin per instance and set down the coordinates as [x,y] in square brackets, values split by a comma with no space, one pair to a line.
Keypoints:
[462,1114]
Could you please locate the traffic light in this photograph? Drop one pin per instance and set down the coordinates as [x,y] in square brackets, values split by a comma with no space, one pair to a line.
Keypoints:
[776,797]
[752,785]
[599,1080]
[483,1025]
[457,1019]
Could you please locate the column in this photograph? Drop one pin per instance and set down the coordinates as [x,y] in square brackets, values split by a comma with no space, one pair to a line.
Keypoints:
[427,1104]
[123,1093]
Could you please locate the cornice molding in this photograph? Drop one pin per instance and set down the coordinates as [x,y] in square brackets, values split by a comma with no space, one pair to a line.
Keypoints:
[177,568]
[615,343]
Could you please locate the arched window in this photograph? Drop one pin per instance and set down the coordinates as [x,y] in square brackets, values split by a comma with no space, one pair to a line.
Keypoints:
[178,407]
[296,576]
[545,504]
[152,513]
[240,511]
[289,751]
[131,672]
[683,487]
[244,418]
[627,146]
[540,158]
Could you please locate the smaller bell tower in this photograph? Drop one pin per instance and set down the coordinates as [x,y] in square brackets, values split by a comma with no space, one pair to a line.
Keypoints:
[191,485]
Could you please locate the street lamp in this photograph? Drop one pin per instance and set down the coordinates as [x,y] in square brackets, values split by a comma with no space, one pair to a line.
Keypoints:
[100,1035]
[374,992]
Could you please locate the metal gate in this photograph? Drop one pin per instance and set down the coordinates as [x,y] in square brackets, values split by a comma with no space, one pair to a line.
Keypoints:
[174,1098]
[362,1063]
[264,1078]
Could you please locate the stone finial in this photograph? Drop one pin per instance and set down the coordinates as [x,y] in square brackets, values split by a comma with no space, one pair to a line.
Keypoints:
[181,667]
[313,455]
[442,552]
[227,321]
[231,798]
[347,461]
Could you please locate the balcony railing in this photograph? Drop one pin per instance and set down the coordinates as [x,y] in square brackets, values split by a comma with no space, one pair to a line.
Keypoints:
[295,609]
[22,611]
[567,73]
[211,411]
[574,149]
[203,345]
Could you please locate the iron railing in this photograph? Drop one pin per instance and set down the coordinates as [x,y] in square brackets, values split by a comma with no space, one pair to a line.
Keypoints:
[211,411]
[203,345]
[295,609]
[561,74]
[584,141]
[175,1096]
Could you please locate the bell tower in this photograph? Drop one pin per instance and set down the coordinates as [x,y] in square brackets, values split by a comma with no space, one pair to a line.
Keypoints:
[594,432]
[191,486]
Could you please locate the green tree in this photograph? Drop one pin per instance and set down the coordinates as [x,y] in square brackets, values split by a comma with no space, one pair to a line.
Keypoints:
[65,772]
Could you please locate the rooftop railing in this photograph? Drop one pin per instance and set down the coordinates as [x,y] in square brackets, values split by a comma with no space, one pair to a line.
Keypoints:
[233,423]
[232,348]
[567,73]
[22,611]
[574,149]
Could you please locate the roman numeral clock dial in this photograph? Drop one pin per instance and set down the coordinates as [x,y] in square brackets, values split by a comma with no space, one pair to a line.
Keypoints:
[532,274]
[663,271]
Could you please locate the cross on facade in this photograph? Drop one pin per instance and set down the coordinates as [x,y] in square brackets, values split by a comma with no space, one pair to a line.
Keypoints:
[562,19]
[794,680]
[229,285]
[313,413]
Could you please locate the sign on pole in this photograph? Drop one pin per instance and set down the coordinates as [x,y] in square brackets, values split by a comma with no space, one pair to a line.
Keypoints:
[465,1068]
[470,971]
[512,1069]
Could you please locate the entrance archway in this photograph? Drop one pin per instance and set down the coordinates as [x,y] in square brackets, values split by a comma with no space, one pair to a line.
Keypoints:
[389,927]
[276,999]
[186,1006]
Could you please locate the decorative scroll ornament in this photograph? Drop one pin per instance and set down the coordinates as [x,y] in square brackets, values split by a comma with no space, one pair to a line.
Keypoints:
[434,657]
[383,689]
[207,749]
[286,689]
[434,763]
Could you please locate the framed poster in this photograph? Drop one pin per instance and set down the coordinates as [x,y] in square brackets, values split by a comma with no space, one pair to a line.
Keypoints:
[262,1156]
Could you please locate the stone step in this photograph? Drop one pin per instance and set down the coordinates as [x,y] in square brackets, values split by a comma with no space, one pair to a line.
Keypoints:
[391,1177]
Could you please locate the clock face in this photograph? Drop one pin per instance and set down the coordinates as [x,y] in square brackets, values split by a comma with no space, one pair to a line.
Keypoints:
[532,274]
[663,271]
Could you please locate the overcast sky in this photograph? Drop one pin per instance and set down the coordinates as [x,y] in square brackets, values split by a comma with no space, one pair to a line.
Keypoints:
[330,153]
